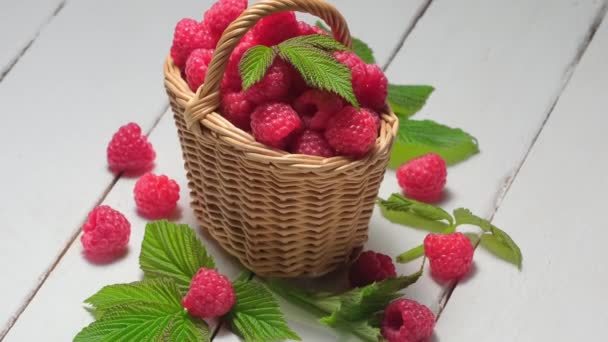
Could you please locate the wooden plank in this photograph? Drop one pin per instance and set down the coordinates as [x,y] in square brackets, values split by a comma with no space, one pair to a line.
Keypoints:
[497,74]
[85,76]
[553,210]
[20,24]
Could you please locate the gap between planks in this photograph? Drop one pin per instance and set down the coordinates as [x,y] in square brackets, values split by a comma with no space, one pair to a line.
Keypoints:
[502,192]
[72,238]
[15,60]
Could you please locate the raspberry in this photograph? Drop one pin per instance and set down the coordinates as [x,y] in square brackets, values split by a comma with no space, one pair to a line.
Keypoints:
[232,78]
[371,267]
[369,82]
[274,124]
[304,29]
[450,255]
[423,178]
[319,105]
[352,132]
[407,321]
[222,13]
[129,150]
[275,28]
[156,196]
[273,87]
[196,67]
[210,295]
[312,143]
[106,234]
[188,36]
[237,109]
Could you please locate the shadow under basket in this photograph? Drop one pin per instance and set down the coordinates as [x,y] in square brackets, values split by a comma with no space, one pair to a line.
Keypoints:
[280,214]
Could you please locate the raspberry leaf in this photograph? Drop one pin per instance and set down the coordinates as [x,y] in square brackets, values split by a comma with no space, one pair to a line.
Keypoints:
[172,251]
[407,100]
[360,48]
[155,292]
[188,328]
[495,246]
[419,137]
[255,63]
[405,211]
[256,315]
[320,41]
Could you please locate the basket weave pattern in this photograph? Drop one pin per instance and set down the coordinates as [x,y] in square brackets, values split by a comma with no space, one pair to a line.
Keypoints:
[280,214]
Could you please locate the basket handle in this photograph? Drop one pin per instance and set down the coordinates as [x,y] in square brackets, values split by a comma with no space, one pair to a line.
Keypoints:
[207,98]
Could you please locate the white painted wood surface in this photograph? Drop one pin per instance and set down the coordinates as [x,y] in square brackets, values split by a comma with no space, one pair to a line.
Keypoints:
[497,66]
[19,24]
[555,209]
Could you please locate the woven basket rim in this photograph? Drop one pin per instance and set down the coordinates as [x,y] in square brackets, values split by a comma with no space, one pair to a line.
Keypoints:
[247,143]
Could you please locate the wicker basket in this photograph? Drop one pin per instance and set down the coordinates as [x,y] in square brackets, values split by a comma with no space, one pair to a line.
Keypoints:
[280,214]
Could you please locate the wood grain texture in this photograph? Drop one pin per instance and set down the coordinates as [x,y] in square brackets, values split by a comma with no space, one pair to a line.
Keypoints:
[20,24]
[85,76]
[554,210]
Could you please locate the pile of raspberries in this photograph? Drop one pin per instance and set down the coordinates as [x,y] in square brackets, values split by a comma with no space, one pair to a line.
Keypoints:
[281,110]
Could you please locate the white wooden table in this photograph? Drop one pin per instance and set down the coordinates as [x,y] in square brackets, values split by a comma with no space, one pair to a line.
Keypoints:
[527,78]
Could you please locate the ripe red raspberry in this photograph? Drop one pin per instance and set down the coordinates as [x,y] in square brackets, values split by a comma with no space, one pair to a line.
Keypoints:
[188,36]
[129,150]
[156,196]
[371,267]
[232,77]
[304,29]
[407,321]
[450,255]
[275,28]
[423,178]
[275,124]
[274,86]
[222,13]
[210,295]
[352,132]
[312,143]
[369,82]
[106,234]
[319,105]
[237,109]
[196,67]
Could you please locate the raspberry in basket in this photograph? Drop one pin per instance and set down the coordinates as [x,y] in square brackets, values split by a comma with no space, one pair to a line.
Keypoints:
[156,196]
[450,255]
[319,106]
[232,78]
[275,124]
[274,86]
[210,295]
[188,36]
[105,234]
[275,28]
[196,67]
[371,267]
[129,150]
[369,82]
[237,109]
[407,321]
[423,178]
[352,132]
[312,143]
[304,29]
[222,13]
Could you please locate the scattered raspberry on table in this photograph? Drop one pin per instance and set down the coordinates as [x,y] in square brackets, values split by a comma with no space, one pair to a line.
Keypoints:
[156,196]
[210,295]
[450,255]
[105,234]
[423,178]
[129,150]
[371,267]
[407,321]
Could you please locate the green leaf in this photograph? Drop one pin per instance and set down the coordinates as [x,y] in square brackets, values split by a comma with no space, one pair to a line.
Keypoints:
[364,329]
[316,304]
[320,70]
[419,137]
[254,64]
[256,316]
[505,240]
[402,210]
[320,41]
[465,216]
[155,292]
[493,245]
[407,100]
[188,329]
[172,251]
[411,254]
[360,48]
